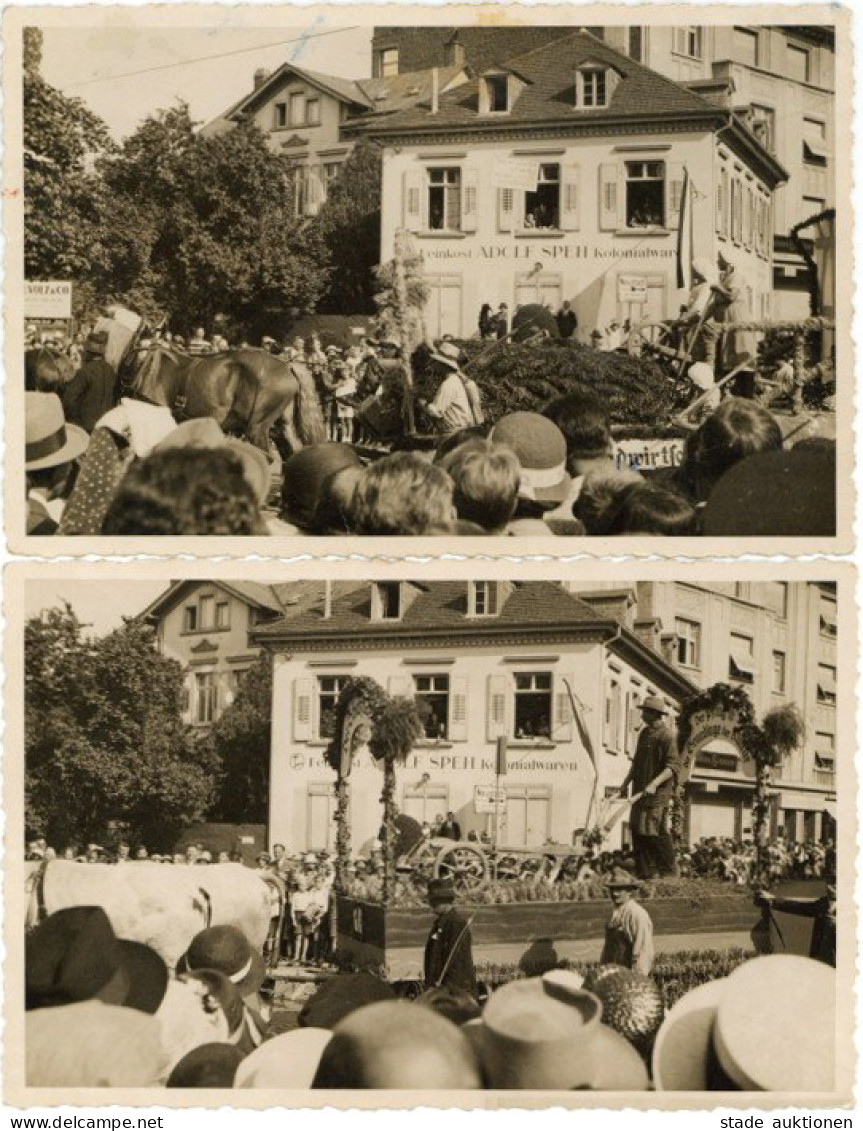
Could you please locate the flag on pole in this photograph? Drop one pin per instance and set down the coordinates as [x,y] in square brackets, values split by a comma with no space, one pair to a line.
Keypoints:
[684,235]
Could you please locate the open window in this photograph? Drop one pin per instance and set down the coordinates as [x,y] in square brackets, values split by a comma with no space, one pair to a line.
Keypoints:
[444,200]
[494,96]
[827,685]
[741,664]
[387,600]
[533,705]
[433,703]
[645,194]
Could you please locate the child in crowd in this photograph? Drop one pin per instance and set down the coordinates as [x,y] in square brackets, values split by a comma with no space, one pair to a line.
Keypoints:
[739,428]
[402,494]
[486,478]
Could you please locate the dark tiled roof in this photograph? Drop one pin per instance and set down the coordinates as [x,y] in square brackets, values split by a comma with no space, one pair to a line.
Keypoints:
[421,47]
[435,605]
[399,92]
[550,94]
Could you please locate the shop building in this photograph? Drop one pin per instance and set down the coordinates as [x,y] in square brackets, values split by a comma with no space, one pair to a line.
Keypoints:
[486,661]
[562,176]
[778,641]
[779,79]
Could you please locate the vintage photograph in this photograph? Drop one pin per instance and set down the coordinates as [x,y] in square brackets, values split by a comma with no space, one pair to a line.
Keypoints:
[309,279]
[431,835]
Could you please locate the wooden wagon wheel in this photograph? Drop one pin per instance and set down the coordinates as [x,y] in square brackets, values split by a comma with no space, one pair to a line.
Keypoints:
[465,865]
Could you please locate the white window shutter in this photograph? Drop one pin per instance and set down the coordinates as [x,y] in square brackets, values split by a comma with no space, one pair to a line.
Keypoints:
[457,723]
[412,201]
[570,198]
[401,686]
[469,201]
[561,722]
[505,209]
[304,696]
[609,203]
[498,706]
[674,188]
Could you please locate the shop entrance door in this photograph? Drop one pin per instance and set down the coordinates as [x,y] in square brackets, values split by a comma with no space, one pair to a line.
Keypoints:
[527,816]
[443,311]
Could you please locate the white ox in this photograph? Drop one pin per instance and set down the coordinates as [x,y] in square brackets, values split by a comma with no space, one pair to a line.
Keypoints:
[161,906]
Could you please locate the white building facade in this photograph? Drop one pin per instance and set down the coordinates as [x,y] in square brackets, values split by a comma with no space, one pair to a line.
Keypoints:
[561,177]
[485,660]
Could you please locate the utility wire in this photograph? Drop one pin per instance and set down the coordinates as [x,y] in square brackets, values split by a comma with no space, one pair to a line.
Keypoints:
[208,58]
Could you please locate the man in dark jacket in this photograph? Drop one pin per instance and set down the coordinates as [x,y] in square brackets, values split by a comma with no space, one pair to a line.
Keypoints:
[91,392]
[448,953]
[450,828]
[567,322]
[653,775]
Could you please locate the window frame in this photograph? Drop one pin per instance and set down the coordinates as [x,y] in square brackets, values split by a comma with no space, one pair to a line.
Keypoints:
[688,41]
[794,50]
[339,679]
[223,622]
[753,37]
[491,597]
[206,694]
[517,692]
[493,86]
[387,588]
[446,187]
[385,64]
[780,685]
[281,115]
[543,180]
[297,98]
[748,678]
[440,694]
[825,697]
[315,101]
[692,639]
[629,178]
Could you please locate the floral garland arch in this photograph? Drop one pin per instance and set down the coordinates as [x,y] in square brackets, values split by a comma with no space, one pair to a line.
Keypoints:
[366,715]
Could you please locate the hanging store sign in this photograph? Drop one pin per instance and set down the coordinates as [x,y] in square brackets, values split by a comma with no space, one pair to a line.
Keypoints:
[48,299]
[488,799]
[632,288]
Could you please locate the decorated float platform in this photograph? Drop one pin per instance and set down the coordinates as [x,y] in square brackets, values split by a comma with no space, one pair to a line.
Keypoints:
[535,935]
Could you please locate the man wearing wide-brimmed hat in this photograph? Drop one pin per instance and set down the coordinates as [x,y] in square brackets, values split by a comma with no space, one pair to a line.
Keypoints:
[448,954]
[50,448]
[653,775]
[629,931]
[456,403]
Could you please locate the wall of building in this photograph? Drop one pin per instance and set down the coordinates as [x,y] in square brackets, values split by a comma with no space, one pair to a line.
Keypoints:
[594,260]
[548,782]
[220,654]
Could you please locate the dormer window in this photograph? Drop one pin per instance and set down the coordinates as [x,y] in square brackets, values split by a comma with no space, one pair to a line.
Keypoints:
[484,599]
[497,93]
[387,600]
[593,93]
[594,86]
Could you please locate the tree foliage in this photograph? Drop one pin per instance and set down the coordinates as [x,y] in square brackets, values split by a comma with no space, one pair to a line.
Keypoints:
[106,750]
[203,226]
[63,201]
[349,224]
[241,749]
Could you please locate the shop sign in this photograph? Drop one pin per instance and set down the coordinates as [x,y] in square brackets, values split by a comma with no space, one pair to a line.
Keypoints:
[706,726]
[716,760]
[632,288]
[648,455]
[519,173]
[488,799]
[48,299]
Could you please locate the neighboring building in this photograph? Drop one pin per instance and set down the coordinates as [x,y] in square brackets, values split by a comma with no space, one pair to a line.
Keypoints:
[780,79]
[303,114]
[206,626]
[559,174]
[486,660]
[778,641]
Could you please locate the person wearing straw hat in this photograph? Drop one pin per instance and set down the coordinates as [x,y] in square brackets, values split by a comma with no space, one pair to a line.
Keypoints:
[652,775]
[51,446]
[629,931]
[448,959]
[456,403]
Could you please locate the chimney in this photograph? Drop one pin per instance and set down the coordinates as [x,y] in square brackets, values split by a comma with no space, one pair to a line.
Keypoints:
[261,76]
[435,97]
[455,52]
[328,599]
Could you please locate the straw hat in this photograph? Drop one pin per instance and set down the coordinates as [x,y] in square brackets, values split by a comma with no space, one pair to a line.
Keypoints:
[48,439]
[446,354]
[769,1026]
[287,1061]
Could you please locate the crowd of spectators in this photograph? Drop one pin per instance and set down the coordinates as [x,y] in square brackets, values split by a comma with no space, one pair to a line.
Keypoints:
[132,470]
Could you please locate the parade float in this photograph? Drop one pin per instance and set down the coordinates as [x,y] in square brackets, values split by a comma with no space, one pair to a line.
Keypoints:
[536,905]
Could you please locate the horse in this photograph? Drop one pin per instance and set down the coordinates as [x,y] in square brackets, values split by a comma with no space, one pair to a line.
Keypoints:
[47,370]
[246,391]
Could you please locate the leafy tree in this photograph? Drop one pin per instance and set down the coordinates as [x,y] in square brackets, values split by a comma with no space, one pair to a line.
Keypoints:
[349,224]
[63,204]
[203,226]
[105,745]
[241,747]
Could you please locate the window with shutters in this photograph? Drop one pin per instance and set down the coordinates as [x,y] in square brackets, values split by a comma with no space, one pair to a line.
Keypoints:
[432,700]
[645,194]
[612,716]
[206,697]
[688,41]
[532,715]
[444,200]
[542,206]
[330,688]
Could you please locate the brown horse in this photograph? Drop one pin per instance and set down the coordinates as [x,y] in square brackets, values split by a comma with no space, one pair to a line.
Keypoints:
[246,391]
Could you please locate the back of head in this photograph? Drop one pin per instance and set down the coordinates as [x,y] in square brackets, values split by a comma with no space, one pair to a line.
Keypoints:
[402,494]
[185,491]
[486,478]
[340,996]
[648,509]
[601,496]
[306,475]
[737,429]
[208,1066]
[583,419]
[397,1045]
